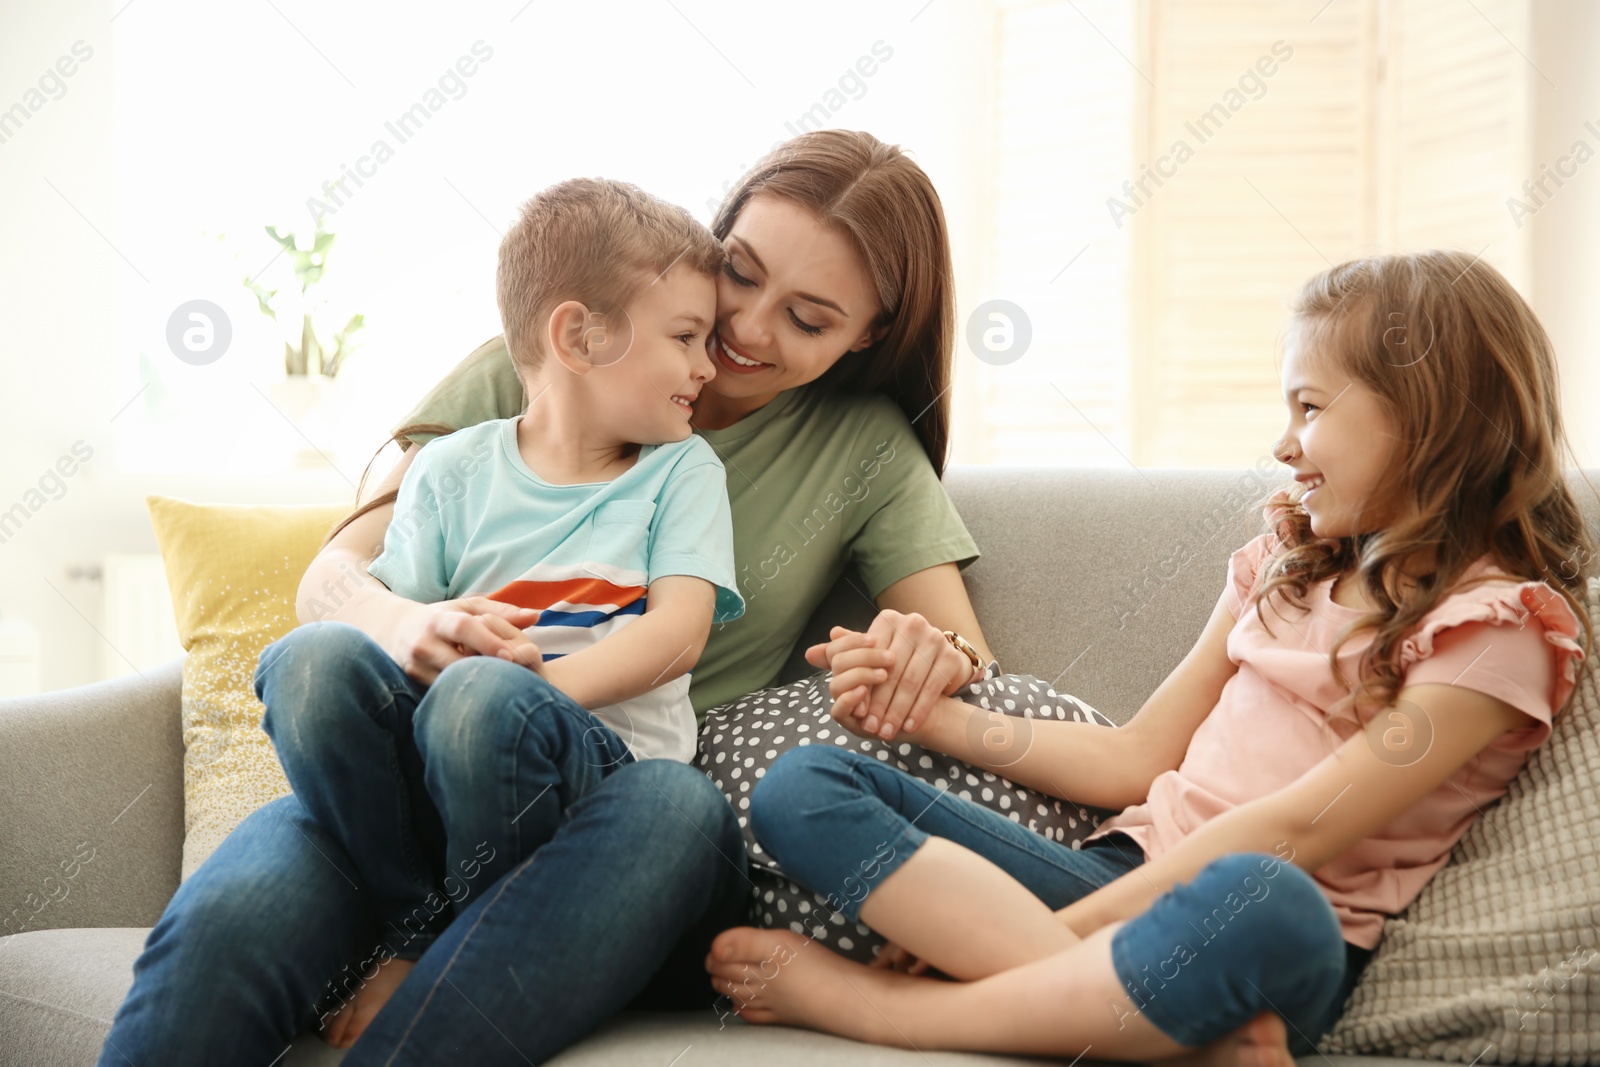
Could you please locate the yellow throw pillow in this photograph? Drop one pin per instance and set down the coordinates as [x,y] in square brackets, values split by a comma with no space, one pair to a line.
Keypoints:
[232,572]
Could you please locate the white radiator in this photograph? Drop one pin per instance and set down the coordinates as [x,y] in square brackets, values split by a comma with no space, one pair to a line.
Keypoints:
[140,629]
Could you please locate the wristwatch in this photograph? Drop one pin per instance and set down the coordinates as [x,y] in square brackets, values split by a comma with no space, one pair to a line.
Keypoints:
[963,646]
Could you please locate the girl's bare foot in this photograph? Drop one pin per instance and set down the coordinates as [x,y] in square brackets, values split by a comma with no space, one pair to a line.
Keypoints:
[1261,1042]
[351,1020]
[778,976]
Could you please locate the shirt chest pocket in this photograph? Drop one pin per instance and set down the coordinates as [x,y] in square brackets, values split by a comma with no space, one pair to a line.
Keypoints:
[619,539]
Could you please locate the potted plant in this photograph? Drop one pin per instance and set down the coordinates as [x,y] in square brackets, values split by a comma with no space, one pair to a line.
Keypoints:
[309,365]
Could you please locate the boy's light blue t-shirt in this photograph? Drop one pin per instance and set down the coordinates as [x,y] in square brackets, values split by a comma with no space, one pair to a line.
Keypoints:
[471,518]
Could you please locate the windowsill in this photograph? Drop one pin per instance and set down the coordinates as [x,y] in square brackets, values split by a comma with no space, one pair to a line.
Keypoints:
[243,442]
[319,484]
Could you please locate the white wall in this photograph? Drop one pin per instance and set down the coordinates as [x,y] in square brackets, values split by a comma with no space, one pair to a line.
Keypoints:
[217,120]
[103,234]
[1566,252]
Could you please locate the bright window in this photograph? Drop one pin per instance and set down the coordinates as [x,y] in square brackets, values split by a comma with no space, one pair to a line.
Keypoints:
[1148,182]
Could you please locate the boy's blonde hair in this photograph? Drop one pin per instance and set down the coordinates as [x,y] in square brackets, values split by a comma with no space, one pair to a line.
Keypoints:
[593,240]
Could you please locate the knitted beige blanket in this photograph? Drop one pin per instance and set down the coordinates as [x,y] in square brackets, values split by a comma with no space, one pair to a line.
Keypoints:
[1498,961]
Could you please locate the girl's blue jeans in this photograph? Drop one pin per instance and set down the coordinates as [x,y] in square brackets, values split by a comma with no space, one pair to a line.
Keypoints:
[488,819]
[1250,933]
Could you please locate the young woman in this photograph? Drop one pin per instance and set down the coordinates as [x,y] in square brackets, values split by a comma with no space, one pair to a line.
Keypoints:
[830,411]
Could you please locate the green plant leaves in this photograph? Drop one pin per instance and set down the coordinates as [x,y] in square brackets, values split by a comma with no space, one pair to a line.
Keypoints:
[309,357]
[263,297]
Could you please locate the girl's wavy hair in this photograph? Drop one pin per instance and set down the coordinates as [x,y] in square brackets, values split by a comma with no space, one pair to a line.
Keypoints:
[1468,377]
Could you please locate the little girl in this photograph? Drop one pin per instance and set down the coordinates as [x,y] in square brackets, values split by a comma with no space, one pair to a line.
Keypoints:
[1378,667]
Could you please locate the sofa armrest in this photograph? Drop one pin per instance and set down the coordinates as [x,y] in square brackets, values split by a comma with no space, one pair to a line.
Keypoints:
[91,803]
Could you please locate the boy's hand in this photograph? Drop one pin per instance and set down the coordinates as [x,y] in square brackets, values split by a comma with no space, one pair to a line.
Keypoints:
[430,637]
[522,650]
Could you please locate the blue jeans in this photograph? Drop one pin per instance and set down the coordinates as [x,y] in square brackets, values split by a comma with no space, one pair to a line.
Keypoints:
[1260,934]
[607,881]
[436,791]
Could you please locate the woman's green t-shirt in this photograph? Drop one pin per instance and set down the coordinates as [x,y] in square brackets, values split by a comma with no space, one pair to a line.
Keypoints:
[815,482]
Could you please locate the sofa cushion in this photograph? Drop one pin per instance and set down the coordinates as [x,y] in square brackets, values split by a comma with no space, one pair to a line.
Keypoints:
[705,1039]
[1496,960]
[1101,580]
[59,990]
[739,741]
[232,572]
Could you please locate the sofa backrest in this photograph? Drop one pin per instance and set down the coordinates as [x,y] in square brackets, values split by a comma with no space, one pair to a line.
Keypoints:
[1099,581]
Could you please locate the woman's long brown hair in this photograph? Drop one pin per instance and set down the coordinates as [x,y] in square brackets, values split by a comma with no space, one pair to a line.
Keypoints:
[887,207]
[1468,376]
[401,437]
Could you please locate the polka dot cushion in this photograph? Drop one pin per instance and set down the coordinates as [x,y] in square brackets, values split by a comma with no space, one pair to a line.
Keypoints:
[739,741]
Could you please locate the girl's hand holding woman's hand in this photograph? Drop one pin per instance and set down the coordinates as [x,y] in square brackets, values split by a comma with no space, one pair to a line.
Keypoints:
[854,661]
[428,638]
[905,664]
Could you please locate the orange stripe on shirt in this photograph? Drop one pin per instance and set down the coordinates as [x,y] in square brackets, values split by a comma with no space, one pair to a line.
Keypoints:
[541,595]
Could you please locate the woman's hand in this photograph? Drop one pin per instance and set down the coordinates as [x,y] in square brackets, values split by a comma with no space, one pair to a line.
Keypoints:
[850,704]
[907,662]
[427,638]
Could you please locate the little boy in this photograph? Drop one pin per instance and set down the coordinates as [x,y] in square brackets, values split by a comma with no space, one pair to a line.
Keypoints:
[597,506]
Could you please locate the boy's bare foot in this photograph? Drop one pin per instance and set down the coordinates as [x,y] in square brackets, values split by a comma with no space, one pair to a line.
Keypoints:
[351,1020]
[1261,1042]
[779,976]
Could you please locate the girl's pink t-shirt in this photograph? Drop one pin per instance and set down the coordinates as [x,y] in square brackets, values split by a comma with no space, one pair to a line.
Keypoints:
[1514,640]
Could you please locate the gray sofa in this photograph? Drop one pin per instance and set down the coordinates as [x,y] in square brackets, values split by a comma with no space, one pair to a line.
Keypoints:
[1098,580]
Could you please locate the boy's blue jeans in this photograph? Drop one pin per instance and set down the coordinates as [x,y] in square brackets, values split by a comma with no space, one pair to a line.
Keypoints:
[472,772]
[580,880]
[1261,936]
